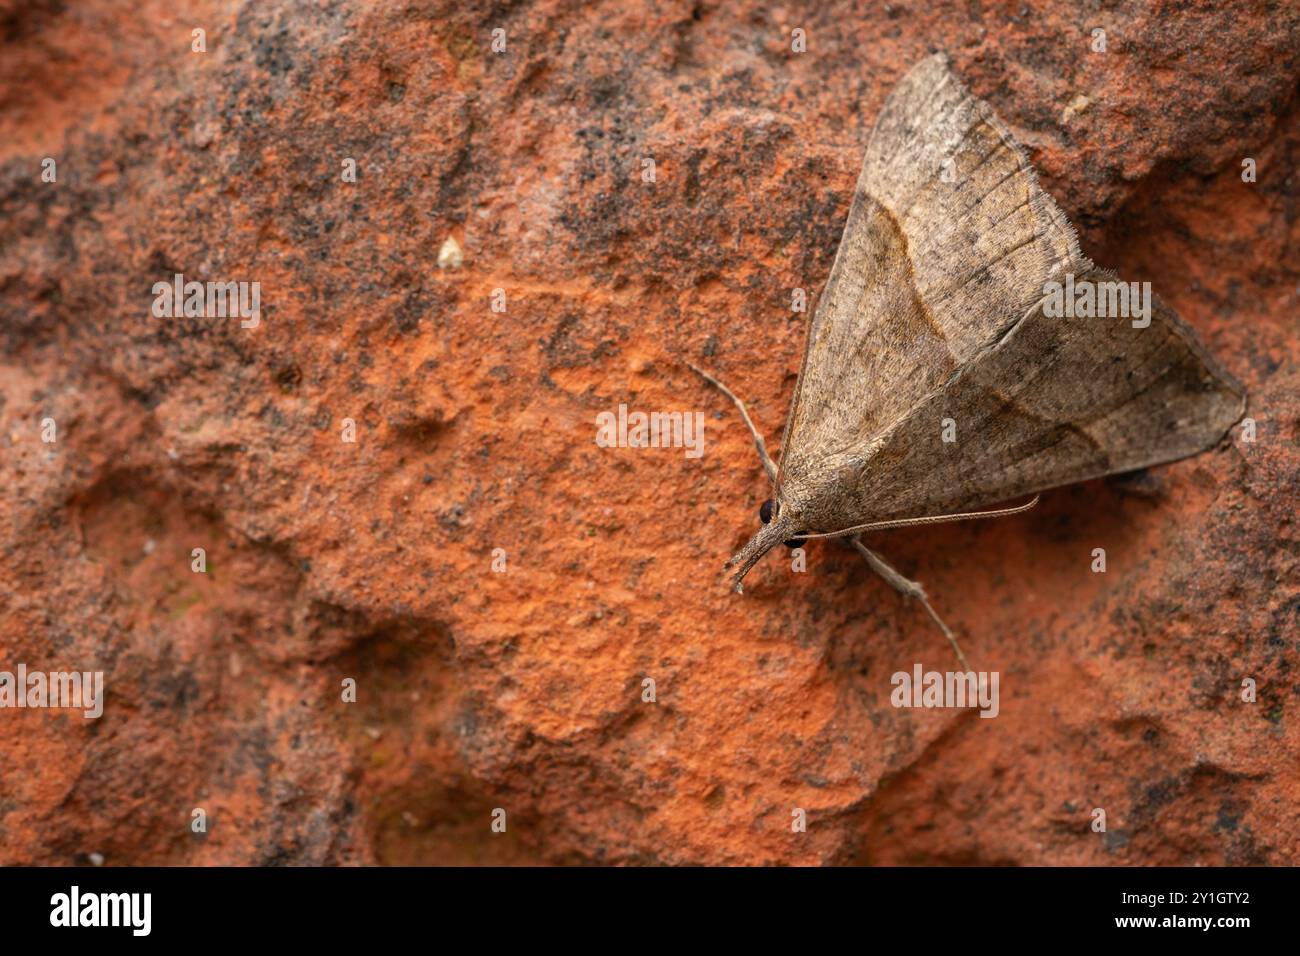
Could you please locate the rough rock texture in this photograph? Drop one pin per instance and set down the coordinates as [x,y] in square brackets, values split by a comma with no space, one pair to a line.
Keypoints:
[474,431]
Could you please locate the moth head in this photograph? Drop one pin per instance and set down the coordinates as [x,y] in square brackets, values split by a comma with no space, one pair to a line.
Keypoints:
[780,523]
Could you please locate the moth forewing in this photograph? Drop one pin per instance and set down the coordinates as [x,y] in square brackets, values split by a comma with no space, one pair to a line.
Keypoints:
[933,379]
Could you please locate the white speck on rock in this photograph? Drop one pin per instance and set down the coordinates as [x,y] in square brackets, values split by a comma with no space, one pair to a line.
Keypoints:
[450,255]
[1077,106]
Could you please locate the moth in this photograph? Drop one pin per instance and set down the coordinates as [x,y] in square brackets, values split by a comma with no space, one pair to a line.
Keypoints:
[937,379]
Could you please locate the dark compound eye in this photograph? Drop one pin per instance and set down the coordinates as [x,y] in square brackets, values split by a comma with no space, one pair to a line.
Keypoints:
[769,509]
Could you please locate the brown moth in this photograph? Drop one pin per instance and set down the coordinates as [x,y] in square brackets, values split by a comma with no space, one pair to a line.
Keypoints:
[934,321]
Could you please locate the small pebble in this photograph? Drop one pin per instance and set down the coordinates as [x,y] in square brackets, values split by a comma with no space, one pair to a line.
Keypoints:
[450,256]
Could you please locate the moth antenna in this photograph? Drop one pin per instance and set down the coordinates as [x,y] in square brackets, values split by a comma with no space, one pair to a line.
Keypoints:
[909,588]
[930,519]
[768,465]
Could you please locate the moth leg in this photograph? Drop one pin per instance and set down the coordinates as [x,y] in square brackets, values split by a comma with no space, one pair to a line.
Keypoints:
[908,588]
[769,466]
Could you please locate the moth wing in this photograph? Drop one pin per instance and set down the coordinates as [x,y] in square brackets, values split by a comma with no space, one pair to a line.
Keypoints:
[949,240]
[1058,400]
[934,312]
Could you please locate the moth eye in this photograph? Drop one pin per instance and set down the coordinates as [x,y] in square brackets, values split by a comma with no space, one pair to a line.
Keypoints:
[765,510]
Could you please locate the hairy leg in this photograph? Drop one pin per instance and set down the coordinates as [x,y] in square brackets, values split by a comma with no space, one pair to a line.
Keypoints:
[908,588]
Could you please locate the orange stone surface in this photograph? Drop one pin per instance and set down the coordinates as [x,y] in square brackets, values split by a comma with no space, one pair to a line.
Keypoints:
[521,689]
